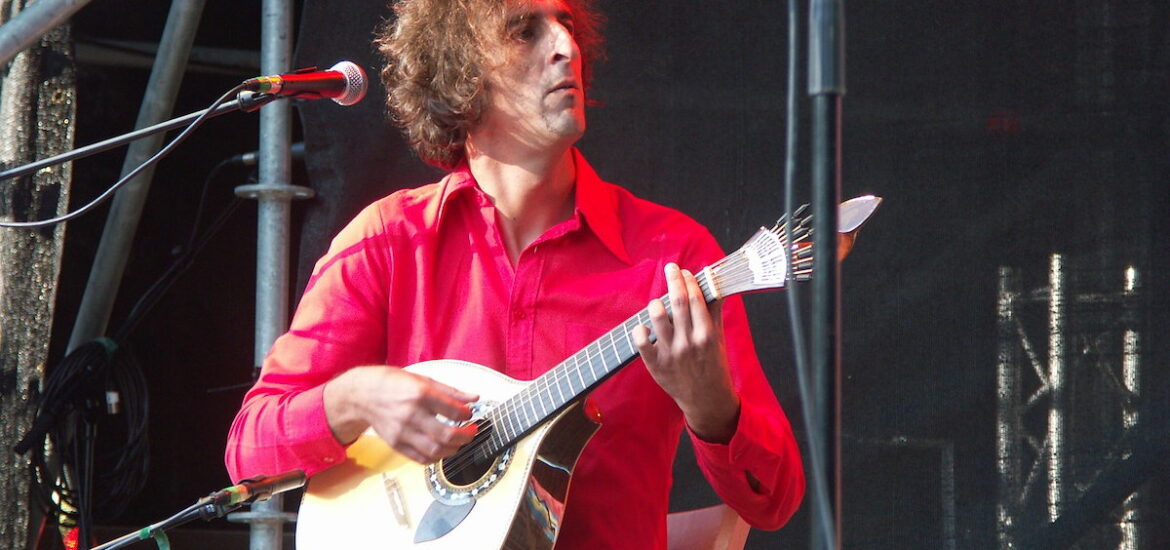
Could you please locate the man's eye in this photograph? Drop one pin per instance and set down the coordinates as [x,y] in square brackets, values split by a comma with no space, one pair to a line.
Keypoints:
[523,30]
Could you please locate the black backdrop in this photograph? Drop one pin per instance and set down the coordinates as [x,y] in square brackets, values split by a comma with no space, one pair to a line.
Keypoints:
[998,133]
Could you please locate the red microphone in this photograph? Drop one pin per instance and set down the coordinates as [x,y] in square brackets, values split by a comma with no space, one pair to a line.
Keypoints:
[344,83]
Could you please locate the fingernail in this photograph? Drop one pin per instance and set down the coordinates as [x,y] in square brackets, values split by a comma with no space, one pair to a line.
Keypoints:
[671,268]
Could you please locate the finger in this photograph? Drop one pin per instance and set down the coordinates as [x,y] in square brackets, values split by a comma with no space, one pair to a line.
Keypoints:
[436,401]
[660,321]
[716,310]
[641,338]
[413,454]
[456,393]
[462,435]
[421,448]
[680,309]
[435,440]
[700,318]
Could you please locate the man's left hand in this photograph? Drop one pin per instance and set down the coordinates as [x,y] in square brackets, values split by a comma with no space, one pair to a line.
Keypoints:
[689,360]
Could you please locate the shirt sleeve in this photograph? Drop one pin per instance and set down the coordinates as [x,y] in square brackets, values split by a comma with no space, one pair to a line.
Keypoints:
[339,323]
[759,472]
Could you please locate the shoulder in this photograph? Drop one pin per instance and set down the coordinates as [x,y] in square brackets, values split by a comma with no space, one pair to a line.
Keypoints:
[404,211]
[669,231]
[384,223]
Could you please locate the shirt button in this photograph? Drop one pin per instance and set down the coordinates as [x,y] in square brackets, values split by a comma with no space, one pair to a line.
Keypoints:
[519,315]
[329,459]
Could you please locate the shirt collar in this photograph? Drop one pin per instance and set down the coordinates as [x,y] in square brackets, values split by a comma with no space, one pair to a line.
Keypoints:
[596,201]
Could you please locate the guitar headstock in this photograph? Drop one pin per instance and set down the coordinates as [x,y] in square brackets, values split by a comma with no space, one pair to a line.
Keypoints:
[768,259]
[772,257]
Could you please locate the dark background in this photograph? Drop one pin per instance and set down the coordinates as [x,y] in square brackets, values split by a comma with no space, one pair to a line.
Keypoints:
[998,133]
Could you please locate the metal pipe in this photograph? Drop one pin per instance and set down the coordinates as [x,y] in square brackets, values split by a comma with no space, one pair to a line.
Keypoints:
[1131,516]
[1007,410]
[31,23]
[274,194]
[1057,383]
[826,70]
[158,102]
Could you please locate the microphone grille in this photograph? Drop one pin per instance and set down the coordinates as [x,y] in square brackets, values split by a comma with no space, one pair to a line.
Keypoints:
[355,82]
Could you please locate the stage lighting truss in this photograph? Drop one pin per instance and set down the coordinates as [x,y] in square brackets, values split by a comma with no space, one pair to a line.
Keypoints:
[1068,384]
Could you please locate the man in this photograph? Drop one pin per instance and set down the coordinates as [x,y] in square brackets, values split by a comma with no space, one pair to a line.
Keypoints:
[515,260]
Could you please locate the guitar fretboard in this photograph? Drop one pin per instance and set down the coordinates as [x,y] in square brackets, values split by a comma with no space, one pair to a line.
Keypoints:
[569,380]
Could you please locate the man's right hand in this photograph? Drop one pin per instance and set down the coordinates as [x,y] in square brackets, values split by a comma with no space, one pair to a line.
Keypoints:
[403,409]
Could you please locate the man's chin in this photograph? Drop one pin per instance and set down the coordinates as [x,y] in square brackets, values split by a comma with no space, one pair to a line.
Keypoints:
[567,127]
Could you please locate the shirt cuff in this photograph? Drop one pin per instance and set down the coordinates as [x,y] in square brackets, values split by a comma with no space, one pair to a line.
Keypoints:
[752,450]
[307,432]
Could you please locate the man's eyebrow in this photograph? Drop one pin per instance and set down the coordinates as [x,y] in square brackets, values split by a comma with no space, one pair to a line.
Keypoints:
[519,18]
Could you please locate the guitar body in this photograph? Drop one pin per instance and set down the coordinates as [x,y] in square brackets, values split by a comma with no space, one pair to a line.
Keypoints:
[379,499]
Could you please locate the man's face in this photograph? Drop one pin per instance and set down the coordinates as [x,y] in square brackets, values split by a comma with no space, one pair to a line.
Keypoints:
[536,95]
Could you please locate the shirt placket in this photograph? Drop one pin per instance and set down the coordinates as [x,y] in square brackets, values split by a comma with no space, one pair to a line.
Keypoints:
[525,288]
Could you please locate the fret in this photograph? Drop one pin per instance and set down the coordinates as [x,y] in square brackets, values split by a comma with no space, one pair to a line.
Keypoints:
[613,361]
[545,403]
[560,390]
[631,350]
[589,359]
[496,439]
[580,376]
[513,422]
[535,415]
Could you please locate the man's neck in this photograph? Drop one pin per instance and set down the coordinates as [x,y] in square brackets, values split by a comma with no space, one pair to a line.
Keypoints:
[531,193]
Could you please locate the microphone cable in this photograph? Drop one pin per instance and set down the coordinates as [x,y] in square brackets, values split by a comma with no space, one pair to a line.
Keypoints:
[105,195]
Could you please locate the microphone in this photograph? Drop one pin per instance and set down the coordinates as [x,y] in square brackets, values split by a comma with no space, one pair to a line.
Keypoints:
[344,83]
[258,488]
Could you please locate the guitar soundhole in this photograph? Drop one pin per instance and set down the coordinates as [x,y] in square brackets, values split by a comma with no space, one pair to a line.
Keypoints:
[473,469]
[464,468]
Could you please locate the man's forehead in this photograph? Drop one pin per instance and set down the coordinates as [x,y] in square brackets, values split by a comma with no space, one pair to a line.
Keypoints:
[524,8]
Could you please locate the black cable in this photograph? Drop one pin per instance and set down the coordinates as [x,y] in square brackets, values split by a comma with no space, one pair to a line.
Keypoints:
[105,195]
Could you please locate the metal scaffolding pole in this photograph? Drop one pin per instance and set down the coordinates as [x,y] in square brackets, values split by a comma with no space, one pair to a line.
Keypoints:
[31,23]
[274,195]
[158,102]
[1130,524]
[1008,415]
[1058,386]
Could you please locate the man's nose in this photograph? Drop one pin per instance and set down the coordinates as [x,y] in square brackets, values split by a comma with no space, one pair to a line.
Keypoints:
[564,46]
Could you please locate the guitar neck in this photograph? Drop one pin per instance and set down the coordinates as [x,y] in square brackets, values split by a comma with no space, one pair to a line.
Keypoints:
[567,382]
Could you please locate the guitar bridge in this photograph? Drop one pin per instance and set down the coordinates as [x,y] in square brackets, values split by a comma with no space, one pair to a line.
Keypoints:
[397,503]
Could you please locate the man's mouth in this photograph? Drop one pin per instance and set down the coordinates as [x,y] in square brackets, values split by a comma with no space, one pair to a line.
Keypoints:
[564,85]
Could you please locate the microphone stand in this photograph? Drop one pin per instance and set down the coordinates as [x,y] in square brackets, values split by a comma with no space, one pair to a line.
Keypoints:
[826,86]
[215,505]
[206,508]
[245,101]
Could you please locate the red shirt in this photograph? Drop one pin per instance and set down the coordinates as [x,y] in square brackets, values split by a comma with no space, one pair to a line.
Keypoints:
[423,274]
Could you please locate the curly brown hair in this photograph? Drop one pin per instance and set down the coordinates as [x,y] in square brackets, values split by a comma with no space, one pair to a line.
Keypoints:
[436,54]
